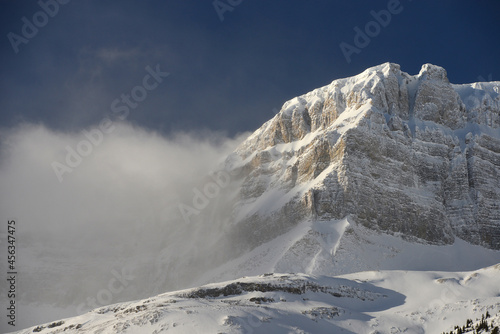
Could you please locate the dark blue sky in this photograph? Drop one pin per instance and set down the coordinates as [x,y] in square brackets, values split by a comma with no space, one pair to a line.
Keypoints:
[224,75]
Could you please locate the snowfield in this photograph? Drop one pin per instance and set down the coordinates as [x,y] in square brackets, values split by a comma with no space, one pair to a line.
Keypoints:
[365,302]
[340,247]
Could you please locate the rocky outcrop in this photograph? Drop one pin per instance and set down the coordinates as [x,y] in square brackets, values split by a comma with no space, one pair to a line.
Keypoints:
[411,155]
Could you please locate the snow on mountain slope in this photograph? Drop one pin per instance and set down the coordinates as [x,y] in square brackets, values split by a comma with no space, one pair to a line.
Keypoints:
[342,247]
[366,302]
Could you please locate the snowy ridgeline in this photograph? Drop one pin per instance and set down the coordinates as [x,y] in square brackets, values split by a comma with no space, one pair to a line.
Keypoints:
[366,302]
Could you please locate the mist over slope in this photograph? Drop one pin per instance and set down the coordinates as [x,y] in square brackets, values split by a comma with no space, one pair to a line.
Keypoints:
[102,234]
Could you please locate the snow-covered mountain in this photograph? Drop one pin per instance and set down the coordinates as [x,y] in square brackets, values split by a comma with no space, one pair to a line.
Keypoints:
[380,171]
[398,153]
[356,175]
[367,302]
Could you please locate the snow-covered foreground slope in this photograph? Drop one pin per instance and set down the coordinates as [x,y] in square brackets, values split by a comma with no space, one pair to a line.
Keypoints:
[328,248]
[365,302]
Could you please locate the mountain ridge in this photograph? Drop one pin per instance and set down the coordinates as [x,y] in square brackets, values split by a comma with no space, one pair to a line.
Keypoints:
[412,140]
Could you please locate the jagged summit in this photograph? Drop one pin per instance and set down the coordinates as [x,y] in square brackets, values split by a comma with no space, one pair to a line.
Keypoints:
[400,153]
[387,88]
[432,72]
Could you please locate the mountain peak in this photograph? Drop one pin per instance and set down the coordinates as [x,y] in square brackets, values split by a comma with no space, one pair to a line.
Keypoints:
[433,72]
[384,68]
[387,149]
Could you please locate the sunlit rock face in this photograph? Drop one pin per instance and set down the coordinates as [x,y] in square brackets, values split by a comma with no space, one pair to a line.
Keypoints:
[406,154]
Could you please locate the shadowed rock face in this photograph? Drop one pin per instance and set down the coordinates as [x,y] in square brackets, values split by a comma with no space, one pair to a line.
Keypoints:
[405,154]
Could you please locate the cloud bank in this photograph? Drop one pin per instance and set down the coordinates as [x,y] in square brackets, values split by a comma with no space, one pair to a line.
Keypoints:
[119,207]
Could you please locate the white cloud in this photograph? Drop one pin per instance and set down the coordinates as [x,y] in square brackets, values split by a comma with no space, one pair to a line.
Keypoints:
[118,206]
[129,168]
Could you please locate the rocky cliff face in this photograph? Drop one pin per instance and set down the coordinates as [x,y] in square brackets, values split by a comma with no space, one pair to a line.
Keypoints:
[410,155]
